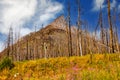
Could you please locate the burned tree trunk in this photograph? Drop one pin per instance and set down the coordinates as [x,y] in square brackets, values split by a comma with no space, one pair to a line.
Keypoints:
[107,41]
[101,27]
[10,43]
[116,40]
[27,49]
[69,32]
[111,29]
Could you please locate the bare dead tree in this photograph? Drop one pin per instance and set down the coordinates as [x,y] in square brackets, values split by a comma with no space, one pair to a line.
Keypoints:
[42,43]
[12,49]
[35,45]
[69,31]
[10,43]
[102,32]
[27,49]
[79,35]
[15,47]
[18,47]
[111,28]
[107,41]
[116,40]
[86,40]
[101,27]
[78,26]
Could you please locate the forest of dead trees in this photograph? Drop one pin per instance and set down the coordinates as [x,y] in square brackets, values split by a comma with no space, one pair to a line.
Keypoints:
[60,39]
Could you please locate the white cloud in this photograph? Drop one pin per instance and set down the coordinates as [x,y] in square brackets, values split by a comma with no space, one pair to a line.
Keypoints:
[17,13]
[100,3]
[97,4]
[48,11]
[113,4]
[25,31]
[46,17]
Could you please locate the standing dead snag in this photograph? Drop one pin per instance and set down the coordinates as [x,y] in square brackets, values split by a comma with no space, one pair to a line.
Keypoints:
[69,32]
[15,47]
[67,35]
[35,53]
[79,35]
[86,38]
[116,40]
[45,50]
[10,43]
[102,31]
[101,27]
[107,40]
[18,47]
[111,28]
[27,49]
[11,37]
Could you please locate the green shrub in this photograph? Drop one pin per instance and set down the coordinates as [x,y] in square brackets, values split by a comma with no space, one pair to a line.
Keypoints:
[6,63]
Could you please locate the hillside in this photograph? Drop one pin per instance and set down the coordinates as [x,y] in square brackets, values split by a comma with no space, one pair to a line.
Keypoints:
[34,43]
[54,41]
[99,67]
[59,40]
[50,41]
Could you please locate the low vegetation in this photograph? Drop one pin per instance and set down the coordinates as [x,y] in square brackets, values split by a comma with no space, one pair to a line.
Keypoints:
[102,67]
[6,63]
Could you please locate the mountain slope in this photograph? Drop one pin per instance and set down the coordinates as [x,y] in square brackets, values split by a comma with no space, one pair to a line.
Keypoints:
[51,41]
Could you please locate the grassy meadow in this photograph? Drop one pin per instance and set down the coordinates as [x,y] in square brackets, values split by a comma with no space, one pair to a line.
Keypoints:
[89,67]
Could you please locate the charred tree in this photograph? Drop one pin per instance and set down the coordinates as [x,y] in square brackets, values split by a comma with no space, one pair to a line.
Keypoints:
[27,49]
[111,28]
[10,43]
[102,33]
[116,40]
[107,41]
[101,27]
[69,32]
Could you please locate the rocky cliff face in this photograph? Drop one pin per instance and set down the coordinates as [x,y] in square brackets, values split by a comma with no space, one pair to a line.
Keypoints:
[59,23]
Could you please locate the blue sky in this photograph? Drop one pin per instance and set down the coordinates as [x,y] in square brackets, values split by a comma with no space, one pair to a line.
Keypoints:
[23,15]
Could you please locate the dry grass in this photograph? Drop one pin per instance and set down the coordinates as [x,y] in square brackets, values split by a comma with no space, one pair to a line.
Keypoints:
[103,67]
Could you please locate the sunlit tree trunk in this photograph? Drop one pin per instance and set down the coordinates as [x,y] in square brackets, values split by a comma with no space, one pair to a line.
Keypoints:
[79,33]
[111,28]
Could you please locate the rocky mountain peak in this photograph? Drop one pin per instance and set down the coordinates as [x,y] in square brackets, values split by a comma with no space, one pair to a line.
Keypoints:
[59,23]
